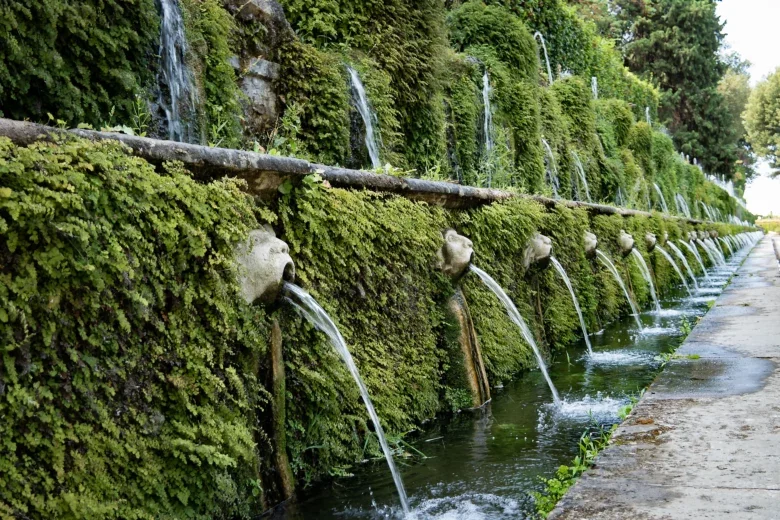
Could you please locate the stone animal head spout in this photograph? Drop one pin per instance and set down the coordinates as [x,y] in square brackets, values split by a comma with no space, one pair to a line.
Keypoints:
[537,251]
[591,243]
[650,241]
[455,254]
[692,236]
[713,234]
[264,264]
[703,235]
[664,239]
[626,242]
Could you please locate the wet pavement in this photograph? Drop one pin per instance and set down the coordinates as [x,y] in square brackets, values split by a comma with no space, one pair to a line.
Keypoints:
[704,441]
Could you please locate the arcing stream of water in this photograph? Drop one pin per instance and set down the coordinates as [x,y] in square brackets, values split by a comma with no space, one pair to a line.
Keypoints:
[612,269]
[661,198]
[684,260]
[696,255]
[312,311]
[561,271]
[640,260]
[518,320]
[539,36]
[360,100]
[552,169]
[583,179]
[486,464]
[675,267]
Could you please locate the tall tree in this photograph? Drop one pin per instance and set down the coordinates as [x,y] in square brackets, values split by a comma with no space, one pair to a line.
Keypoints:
[676,43]
[735,89]
[762,119]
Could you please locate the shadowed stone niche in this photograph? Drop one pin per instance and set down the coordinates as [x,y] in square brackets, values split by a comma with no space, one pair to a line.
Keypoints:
[453,259]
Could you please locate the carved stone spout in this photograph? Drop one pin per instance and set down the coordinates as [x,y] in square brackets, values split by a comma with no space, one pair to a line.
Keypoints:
[537,251]
[264,264]
[692,236]
[664,239]
[626,242]
[703,235]
[713,234]
[650,241]
[455,254]
[591,243]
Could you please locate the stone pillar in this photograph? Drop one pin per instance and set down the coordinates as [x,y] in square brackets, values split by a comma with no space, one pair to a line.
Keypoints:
[474,366]
[278,407]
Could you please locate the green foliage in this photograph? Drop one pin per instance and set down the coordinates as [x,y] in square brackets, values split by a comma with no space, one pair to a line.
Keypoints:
[475,23]
[316,82]
[591,443]
[762,119]
[75,60]
[209,33]
[406,39]
[691,105]
[128,372]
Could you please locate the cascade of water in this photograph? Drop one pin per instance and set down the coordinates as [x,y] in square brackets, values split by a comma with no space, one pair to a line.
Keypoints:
[518,320]
[706,210]
[552,169]
[682,205]
[174,77]
[562,272]
[583,179]
[675,266]
[684,260]
[719,257]
[488,119]
[594,86]
[728,245]
[640,260]
[367,114]
[647,116]
[539,36]
[620,198]
[696,255]
[713,258]
[661,198]
[315,314]
[612,269]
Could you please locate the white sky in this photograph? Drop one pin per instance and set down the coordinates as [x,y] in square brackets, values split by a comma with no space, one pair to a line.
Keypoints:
[751,30]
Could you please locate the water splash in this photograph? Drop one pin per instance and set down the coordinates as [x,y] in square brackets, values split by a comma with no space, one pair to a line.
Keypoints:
[539,36]
[518,320]
[583,179]
[175,78]
[696,255]
[661,198]
[684,260]
[640,260]
[317,316]
[562,272]
[552,169]
[367,114]
[612,269]
[675,266]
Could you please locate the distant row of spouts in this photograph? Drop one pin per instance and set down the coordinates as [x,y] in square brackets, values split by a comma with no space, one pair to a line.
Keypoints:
[266,272]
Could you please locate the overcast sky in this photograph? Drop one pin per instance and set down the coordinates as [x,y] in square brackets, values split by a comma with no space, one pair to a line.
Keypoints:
[752,30]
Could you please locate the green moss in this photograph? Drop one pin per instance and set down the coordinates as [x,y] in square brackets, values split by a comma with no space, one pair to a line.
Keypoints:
[210,29]
[475,23]
[77,61]
[128,383]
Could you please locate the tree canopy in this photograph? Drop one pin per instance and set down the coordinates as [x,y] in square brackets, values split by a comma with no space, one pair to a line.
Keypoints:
[762,119]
